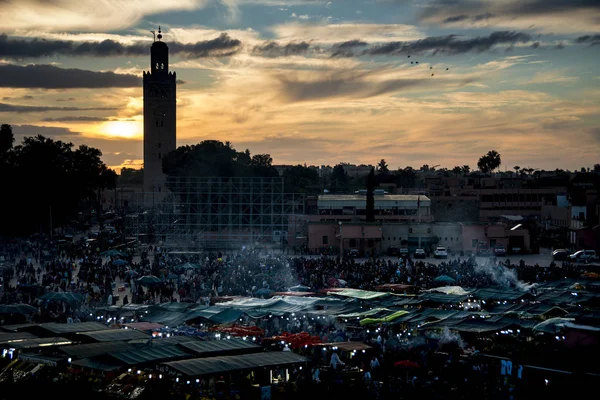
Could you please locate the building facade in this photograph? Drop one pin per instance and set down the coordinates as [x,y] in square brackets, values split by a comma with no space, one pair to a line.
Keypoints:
[160,119]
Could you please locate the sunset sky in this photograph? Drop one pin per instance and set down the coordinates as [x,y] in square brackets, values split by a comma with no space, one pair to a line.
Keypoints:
[315,82]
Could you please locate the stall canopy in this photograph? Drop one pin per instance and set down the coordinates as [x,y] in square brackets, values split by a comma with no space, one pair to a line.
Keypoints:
[40,342]
[96,349]
[217,365]
[111,335]
[150,354]
[360,294]
[225,347]
[54,329]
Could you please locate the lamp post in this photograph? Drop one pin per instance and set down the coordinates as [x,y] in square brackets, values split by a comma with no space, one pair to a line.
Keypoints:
[341,242]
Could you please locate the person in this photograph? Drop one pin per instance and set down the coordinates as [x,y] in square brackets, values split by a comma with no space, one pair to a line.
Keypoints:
[316,374]
[336,361]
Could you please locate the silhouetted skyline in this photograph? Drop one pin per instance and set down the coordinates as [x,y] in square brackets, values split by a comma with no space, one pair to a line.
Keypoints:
[319,82]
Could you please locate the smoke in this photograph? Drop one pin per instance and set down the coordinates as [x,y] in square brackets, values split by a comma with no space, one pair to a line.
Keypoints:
[446,337]
[502,276]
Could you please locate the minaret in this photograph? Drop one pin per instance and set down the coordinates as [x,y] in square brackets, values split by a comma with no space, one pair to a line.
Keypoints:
[160,122]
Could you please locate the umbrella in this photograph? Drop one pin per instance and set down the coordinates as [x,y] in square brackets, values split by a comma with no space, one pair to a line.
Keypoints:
[552,325]
[132,272]
[112,253]
[188,266]
[22,309]
[148,280]
[299,288]
[66,297]
[264,292]
[119,262]
[444,279]
[172,276]
[406,364]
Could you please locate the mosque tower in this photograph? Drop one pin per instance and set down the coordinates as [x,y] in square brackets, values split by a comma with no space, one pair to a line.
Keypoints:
[160,119]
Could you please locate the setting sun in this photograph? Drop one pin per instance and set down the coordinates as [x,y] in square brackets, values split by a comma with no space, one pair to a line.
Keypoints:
[122,129]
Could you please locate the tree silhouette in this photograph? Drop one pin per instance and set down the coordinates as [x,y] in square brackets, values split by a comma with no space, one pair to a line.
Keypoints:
[50,182]
[489,162]
[457,170]
[382,167]
[371,196]
[300,179]
[6,139]
[339,179]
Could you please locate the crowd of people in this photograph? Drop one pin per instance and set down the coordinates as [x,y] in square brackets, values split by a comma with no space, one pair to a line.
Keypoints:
[37,266]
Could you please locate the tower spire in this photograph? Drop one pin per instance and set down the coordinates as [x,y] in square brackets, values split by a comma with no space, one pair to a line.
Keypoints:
[159,33]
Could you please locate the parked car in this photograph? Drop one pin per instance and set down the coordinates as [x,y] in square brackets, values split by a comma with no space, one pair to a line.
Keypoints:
[353,253]
[516,250]
[561,255]
[419,253]
[483,252]
[583,256]
[403,252]
[440,252]
[500,251]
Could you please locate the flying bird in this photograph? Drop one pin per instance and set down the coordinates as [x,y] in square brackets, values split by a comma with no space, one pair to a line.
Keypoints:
[409,56]
[431,74]
[447,69]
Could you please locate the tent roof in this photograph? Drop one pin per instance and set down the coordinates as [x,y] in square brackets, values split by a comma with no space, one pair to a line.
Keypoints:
[97,364]
[216,365]
[212,347]
[111,335]
[15,336]
[76,327]
[144,326]
[150,353]
[96,349]
[360,294]
[40,342]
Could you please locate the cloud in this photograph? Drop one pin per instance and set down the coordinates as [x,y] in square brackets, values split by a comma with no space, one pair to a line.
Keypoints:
[593,40]
[221,46]
[48,131]
[346,49]
[449,44]
[274,49]
[17,108]
[51,77]
[86,15]
[73,118]
[336,33]
[543,15]
[25,97]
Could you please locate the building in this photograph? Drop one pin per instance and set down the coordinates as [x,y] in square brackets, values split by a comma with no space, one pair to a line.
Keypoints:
[160,119]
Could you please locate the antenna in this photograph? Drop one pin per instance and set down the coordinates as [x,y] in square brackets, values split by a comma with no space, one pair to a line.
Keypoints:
[154,34]
[159,33]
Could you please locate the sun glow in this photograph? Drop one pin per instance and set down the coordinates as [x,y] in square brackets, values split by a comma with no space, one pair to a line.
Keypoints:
[122,129]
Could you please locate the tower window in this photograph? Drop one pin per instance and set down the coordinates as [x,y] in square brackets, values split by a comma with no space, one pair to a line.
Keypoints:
[159,145]
[159,156]
[162,66]
[157,123]
[162,124]
[157,65]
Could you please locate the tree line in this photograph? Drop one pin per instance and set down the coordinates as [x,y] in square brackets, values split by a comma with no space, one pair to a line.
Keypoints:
[48,182]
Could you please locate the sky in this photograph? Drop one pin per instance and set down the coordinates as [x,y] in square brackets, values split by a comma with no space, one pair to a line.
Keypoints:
[414,82]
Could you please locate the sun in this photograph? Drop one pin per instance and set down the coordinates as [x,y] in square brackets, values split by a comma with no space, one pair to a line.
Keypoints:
[122,129]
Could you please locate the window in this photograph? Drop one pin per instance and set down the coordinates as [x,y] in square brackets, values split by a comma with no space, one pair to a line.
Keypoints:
[159,145]
[474,242]
[159,156]
[445,239]
[157,124]
[162,124]
[156,65]
[162,66]
[325,239]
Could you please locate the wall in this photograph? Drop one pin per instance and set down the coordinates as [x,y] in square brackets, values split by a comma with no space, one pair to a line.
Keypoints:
[472,233]
[455,208]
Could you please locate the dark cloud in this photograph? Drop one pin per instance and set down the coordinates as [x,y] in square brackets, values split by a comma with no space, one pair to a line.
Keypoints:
[17,108]
[449,44]
[476,10]
[27,97]
[274,49]
[346,49]
[535,45]
[347,84]
[63,100]
[51,77]
[48,131]
[592,40]
[15,48]
[74,118]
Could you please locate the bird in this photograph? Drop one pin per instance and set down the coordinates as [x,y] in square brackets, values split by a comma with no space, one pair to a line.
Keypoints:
[430,67]
[447,69]
[409,56]
[416,62]
[412,62]
[431,74]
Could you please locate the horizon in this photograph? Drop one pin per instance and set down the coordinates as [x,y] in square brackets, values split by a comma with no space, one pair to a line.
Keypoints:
[315,82]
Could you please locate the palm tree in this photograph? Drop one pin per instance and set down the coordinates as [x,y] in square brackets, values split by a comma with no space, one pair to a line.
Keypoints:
[494,159]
